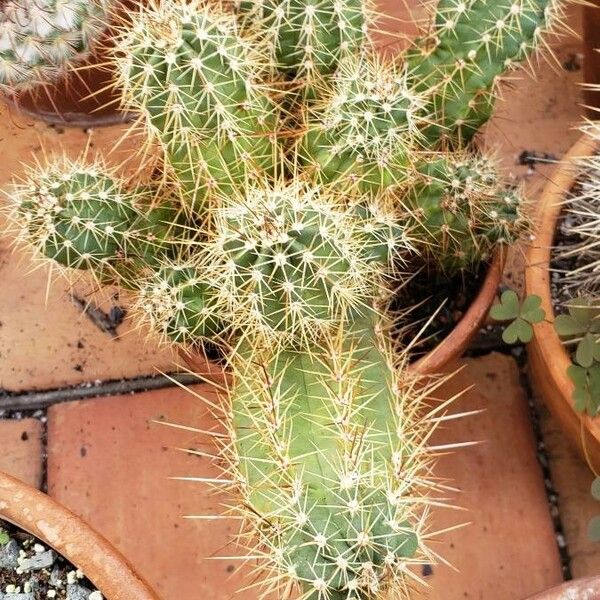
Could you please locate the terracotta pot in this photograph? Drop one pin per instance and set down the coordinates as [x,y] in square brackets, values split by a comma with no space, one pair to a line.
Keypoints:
[35,512]
[548,358]
[84,97]
[587,588]
[449,349]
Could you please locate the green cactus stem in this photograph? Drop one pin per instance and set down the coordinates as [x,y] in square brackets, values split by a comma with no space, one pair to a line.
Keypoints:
[309,38]
[40,39]
[459,210]
[196,82]
[472,44]
[330,456]
[84,217]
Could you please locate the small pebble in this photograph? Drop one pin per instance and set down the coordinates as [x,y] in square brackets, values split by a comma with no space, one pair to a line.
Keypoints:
[77,592]
[9,555]
[27,596]
[38,548]
[43,560]
[95,596]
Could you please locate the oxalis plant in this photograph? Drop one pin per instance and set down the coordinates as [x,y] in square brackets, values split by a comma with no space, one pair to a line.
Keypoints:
[301,177]
[41,39]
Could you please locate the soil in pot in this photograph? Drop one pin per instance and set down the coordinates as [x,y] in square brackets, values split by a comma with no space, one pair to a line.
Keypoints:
[30,570]
[438,303]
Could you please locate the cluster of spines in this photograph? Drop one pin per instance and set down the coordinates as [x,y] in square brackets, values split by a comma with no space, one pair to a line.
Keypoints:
[284,263]
[41,39]
[459,210]
[365,125]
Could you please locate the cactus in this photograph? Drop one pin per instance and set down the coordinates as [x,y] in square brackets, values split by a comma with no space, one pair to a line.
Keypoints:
[330,456]
[286,263]
[364,126]
[40,39]
[297,180]
[83,217]
[196,82]
[459,210]
[471,45]
[309,38]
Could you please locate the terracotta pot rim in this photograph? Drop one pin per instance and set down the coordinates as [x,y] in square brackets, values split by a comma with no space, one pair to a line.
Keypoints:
[546,345]
[583,587]
[59,528]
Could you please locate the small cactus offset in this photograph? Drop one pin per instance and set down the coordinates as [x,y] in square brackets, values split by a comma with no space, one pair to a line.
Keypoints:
[84,217]
[40,39]
[299,177]
[459,210]
[365,125]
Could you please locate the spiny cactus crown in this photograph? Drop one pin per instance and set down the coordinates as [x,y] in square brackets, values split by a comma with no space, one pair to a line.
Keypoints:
[39,39]
[284,264]
[364,125]
[197,84]
[301,171]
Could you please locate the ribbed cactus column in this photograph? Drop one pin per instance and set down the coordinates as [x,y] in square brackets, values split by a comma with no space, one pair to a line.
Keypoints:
[330,455]
[308,38]
[39,39]
[459,210]
[472,44]
[197,83]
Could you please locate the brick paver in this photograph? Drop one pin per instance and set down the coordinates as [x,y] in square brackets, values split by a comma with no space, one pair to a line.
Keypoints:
[21,449]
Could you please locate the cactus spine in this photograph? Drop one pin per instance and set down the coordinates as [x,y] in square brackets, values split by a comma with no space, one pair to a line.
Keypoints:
[297,209]
[40,39]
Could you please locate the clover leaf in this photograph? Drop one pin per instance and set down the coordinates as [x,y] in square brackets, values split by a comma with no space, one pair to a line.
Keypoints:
[522,314]
[582,325]
[587,388]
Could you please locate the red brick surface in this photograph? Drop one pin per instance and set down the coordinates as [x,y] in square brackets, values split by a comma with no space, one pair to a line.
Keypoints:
[21,449]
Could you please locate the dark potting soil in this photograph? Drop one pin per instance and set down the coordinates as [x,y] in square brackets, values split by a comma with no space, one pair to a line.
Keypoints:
[560,264]
[439,302]
[30,570]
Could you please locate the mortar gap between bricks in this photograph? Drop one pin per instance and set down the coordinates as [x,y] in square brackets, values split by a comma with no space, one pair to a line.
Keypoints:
[21,404]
